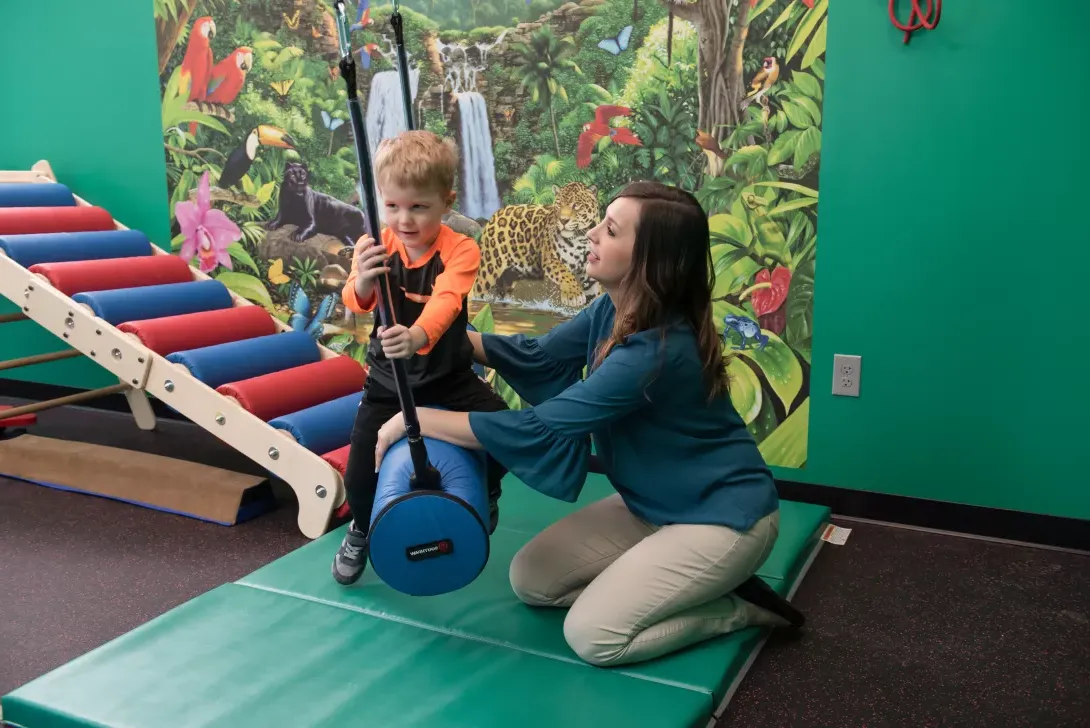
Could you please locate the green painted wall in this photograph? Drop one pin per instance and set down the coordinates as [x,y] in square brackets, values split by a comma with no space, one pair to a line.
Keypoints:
[79,88]
[952,253]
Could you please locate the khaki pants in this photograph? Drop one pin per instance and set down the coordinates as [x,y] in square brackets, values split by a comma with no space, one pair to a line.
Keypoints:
[637,591]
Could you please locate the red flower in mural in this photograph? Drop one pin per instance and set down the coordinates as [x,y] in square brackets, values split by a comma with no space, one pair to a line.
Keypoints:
[208,232]
[767,300]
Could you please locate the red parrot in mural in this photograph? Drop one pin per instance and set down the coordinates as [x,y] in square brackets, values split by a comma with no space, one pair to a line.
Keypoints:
[595,130]
[197,64]
[225,82]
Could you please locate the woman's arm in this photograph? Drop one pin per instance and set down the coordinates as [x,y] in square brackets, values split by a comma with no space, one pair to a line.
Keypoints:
[479,354]
[548,445]
[452,427]
[538,367]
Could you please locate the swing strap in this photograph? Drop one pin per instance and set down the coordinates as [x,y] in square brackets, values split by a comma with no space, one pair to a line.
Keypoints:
[424,475]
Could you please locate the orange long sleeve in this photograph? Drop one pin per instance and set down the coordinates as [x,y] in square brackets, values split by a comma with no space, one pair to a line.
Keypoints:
[461,258]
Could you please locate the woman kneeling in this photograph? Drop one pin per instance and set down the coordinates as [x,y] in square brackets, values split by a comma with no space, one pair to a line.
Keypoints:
[655,567]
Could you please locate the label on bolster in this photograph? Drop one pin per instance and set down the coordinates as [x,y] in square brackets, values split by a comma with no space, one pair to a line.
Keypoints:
[444,547]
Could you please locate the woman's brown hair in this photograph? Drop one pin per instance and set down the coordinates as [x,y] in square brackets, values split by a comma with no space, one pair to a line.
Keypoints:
[671,276]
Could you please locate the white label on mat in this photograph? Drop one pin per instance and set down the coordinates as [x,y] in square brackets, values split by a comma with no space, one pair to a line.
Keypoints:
[835,535]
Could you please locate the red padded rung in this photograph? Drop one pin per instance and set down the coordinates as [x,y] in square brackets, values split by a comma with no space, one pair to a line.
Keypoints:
[196,330]
[290,390]
[24,220]
[75,277]
[338,458]
[18,420]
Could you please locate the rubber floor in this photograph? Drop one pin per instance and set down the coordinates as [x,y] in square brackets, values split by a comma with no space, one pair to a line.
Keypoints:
[906,628]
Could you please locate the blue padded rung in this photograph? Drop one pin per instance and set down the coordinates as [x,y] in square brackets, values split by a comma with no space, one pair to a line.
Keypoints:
[28,250]
[149,302]
[36,194]
[238,360]
[324,427]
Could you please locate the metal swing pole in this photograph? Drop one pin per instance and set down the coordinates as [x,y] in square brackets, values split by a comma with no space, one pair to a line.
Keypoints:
[424,476]
[403,65]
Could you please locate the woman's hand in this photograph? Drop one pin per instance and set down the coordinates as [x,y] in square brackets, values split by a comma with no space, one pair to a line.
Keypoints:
[388,434]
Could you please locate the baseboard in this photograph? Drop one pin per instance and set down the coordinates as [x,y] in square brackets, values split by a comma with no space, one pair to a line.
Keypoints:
[995,523]
[1069,533]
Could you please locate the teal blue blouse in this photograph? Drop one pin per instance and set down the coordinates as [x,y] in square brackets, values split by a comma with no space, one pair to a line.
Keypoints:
[673,456]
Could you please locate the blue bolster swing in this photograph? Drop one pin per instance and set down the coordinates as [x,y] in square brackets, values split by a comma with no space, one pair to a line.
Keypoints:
[427,542]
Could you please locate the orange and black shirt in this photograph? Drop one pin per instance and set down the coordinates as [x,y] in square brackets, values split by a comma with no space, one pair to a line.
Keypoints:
[432,293]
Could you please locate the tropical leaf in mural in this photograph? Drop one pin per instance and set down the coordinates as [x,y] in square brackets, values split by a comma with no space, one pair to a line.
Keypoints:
[168,9]
[805,30]
[242,257]
[786,445]
[745,389]
[800,309]
[483,322]
[249,287]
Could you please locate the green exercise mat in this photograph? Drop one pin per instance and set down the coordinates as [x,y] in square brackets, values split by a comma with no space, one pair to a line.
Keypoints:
[288,644]
[238,657]
[488,611]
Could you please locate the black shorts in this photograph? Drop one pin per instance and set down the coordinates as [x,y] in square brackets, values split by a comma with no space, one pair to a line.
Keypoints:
[461,393]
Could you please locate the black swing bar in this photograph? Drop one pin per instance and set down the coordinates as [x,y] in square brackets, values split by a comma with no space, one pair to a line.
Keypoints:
[402,65]
[424,476]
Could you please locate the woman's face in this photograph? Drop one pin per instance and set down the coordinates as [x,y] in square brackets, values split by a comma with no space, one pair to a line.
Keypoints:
[611,242]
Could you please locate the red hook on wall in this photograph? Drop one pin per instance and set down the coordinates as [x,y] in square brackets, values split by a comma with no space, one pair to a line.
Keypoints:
[917,19]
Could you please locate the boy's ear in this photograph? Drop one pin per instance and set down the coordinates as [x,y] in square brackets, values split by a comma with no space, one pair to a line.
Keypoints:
[451,197]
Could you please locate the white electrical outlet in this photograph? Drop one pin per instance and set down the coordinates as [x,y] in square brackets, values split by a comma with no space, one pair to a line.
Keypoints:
[846,371]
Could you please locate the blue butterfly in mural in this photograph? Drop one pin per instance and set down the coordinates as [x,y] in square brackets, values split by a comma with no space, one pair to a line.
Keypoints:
[302,318]
[618,44]
[330,122]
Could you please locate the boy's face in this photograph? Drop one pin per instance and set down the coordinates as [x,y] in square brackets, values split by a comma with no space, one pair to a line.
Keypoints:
[415,214]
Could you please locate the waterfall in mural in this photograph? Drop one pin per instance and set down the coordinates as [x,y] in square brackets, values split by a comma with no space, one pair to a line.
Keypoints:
[461,63]
[480,196]
[386,112]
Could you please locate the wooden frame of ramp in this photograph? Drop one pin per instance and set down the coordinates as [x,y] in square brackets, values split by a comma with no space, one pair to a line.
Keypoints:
[318,486]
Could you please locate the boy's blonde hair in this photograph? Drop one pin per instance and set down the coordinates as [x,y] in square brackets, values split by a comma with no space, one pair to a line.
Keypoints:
[418,159]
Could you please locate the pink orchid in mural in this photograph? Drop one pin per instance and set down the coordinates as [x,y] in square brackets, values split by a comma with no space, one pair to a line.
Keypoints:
[207,232]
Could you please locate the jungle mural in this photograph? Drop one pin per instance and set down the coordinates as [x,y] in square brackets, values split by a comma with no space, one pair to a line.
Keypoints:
[554,106]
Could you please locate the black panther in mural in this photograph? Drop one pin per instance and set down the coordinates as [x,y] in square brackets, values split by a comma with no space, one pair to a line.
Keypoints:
[314,212]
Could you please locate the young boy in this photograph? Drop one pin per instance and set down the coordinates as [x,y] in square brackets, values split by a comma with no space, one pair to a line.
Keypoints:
[431,271]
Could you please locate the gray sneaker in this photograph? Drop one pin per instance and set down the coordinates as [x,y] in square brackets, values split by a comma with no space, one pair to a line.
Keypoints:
[351,559]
